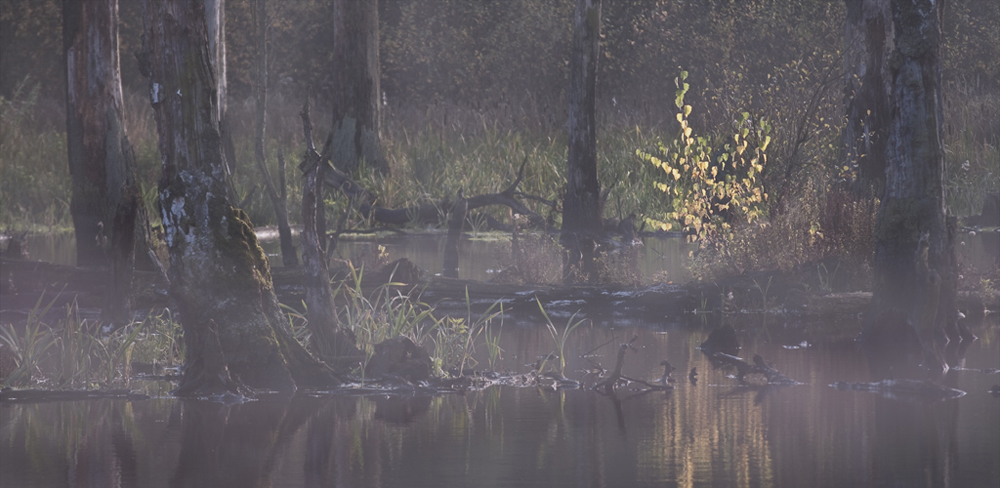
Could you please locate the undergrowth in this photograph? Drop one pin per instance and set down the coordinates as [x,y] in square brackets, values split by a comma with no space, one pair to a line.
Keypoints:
[79,353]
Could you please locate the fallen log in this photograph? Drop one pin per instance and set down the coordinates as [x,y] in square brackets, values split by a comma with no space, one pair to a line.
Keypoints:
[903,389]
[750,374]
[429,212]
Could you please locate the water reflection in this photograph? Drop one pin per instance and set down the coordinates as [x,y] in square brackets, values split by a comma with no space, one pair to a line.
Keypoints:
[479,257]
[713,433]
[481,254]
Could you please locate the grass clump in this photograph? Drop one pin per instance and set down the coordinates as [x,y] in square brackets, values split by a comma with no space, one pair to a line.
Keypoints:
[79,353]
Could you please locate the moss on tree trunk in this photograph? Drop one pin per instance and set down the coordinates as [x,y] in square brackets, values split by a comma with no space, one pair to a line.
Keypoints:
[218,272]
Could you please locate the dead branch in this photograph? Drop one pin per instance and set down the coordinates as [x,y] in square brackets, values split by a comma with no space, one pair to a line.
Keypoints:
[425,213]
[609,383]
[743,368]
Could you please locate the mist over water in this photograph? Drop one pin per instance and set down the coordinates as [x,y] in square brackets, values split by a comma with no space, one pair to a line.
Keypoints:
[712,433]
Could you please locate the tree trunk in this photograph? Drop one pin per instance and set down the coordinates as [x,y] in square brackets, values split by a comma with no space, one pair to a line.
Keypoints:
[329,341]
[581,206]
[218,272]
[868,33]
[278,200]
[215,22]
[915,276]
[356,108]
[106,205]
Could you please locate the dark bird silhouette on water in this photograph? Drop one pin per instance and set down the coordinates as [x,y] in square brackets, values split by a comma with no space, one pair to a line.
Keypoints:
[667,369]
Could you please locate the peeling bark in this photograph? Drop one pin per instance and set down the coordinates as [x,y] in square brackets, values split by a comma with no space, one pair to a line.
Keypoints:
[218,272]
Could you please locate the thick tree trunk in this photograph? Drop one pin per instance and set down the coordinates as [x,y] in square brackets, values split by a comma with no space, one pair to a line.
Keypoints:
[218,272]
[106,207]
[278,200]
[581,206]
[868,33]
[356,104]
[915,276]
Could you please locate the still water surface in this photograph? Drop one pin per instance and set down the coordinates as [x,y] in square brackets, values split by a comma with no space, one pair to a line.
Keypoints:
[480,255]
[712,433]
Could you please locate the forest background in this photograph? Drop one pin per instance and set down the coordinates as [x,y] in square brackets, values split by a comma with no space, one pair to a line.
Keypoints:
[473,88]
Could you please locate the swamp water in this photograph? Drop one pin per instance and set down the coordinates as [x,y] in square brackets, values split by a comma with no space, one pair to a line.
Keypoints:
[709,433]
[481,255]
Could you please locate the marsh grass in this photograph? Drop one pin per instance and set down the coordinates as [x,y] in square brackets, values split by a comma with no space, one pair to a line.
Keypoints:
[79,353]
[388,312]
[29,347]
[559,340]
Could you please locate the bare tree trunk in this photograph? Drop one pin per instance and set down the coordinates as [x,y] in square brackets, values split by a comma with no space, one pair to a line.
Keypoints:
[288,256]
[581,206]
[328,339]
[218,274]
[215,21]
[356,105]
[868,33]
[915,276]
[106,205]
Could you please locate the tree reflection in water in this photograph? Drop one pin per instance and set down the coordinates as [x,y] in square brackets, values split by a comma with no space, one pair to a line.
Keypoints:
[711,433]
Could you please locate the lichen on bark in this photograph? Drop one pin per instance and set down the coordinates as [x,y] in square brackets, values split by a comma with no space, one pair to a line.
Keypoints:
[219,276]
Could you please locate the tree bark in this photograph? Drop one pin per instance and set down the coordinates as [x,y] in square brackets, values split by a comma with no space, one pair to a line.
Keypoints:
[215,22]
[329,341]
[356,106]
[868,33]
[915,274]
[218,271]
[581,205]
[106,205]
[278,200]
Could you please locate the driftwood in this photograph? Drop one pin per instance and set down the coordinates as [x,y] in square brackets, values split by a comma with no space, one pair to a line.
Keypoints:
[751,374]
[925,390]
[609,383]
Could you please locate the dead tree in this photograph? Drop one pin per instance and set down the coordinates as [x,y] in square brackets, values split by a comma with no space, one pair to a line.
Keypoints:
[431,212]
[108,216]
[581,205]
[868,35]
[356,104]
[278,196]
[218,272]
[329,340]
[215,19]
[915,274]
